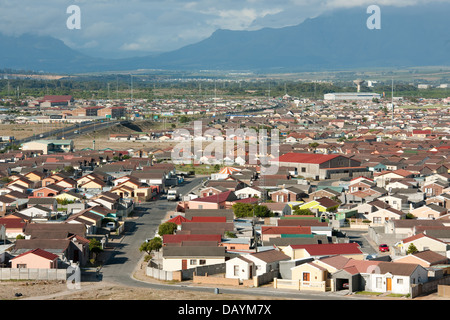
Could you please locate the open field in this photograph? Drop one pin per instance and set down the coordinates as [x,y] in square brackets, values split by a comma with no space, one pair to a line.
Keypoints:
[20,131]
[102,142]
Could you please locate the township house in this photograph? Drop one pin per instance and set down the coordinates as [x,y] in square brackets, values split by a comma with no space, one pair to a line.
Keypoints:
[36,258]
[320,166]
[303,245]
[297,253]
[57,212]
[222,200]
[254,264]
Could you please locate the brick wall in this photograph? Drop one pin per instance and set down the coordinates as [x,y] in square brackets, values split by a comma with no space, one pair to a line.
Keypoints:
[215,280]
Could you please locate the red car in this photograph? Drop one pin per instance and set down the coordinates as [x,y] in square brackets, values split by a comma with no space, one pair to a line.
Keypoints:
[383,247]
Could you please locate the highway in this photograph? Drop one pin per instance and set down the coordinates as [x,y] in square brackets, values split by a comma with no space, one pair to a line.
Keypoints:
[69,132]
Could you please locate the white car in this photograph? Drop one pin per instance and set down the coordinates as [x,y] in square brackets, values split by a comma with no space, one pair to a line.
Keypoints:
[111,225]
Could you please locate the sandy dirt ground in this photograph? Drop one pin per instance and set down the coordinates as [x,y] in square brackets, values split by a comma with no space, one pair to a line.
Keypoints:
[103,142]
[103,290]
[20,131]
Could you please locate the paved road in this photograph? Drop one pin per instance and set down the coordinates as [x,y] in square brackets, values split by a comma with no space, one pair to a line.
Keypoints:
[126,256]
[361,237]
[68,132]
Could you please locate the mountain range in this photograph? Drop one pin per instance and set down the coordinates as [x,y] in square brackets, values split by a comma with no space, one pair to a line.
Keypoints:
[409,36]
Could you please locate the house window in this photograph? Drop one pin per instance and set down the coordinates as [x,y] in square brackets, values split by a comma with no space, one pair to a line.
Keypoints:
[193,262]
[303,169]
[306,276]
[202,262]
[200,206]
[377,220]
[399,281]
[40,194]
[22,266]
[379,282]
[236,270]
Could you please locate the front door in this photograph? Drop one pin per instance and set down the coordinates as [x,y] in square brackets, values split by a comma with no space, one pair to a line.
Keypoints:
[388,284]
[183,264]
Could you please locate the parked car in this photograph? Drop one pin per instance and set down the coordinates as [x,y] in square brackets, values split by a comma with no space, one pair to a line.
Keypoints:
[383,247]
[111,226]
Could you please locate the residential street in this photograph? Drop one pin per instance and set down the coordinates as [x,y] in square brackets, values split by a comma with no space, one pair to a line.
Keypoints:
[126,257]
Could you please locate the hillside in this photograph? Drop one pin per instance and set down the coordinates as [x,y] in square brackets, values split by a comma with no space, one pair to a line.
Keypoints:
[409,36]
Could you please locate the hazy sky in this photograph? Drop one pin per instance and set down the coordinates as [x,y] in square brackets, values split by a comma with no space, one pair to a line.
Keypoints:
[117,28]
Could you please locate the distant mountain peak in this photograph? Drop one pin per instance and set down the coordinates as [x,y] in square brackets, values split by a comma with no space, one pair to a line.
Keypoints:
[409,36]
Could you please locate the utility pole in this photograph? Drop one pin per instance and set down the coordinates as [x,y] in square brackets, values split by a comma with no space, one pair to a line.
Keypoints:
[392,101]
[131,97]
[117,87]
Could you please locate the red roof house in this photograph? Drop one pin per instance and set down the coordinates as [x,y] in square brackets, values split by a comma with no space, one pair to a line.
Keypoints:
[37,259]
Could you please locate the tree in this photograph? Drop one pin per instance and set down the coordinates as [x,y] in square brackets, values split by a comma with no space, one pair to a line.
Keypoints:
[183,119]
[95,247]
[229,234]
[5,179]
[69,169]
[153,245]
[411,249]
[262,211]
[242,210]
[303,212]
[332,209]
[167,228]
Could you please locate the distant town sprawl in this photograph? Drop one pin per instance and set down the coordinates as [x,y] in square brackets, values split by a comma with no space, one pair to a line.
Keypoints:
[362,163]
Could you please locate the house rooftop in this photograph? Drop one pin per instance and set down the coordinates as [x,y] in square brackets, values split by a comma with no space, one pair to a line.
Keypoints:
[39,252]
[329,248]
[306,158]
[270,256]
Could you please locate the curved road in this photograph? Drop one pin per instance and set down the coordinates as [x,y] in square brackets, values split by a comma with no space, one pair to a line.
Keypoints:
[124,260]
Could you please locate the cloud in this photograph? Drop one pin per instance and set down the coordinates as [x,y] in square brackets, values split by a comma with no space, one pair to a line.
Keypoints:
[117,27]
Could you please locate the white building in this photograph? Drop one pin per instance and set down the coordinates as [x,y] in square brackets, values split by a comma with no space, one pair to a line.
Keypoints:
[351,96]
